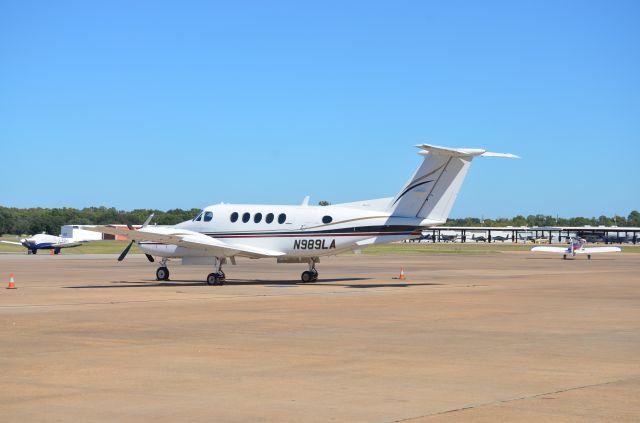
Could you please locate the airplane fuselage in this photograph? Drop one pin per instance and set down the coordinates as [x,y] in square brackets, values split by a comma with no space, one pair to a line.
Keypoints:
[297,231]
[48,242]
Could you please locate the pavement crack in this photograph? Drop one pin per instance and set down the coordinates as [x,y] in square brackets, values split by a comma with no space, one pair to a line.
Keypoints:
[505,401]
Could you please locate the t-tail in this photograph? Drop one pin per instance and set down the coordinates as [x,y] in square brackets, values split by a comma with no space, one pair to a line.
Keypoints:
[433,188]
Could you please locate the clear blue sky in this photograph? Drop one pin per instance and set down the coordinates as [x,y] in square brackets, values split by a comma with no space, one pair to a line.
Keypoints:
[184,104]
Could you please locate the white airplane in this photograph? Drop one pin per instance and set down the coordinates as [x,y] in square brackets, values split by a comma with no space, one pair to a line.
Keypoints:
[303,233]
[46,242]
[577,246]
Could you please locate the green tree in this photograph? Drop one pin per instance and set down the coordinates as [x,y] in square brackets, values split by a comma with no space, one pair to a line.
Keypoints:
[634,218]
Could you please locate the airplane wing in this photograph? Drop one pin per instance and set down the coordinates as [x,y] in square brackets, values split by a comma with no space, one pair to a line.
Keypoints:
[187,239]
[12,242]
[593,250]
[548,249]
[68,244]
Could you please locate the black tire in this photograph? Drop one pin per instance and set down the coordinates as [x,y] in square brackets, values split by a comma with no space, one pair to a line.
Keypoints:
[34,251]
[315,275]
[564,257]
[221,275]
[213,279]
[306,276]
[162,274]
[588,256]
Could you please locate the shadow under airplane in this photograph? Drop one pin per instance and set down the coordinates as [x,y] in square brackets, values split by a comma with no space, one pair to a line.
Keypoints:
[280,284]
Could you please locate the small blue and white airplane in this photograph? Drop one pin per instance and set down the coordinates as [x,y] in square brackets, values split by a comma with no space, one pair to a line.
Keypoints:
[303,233]
[46,242]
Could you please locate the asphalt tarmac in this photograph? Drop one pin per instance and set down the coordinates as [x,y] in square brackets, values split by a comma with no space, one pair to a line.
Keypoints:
[466,337]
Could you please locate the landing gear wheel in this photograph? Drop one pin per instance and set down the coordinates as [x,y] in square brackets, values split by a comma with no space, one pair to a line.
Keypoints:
[222,276]
[162,274]
[214,279]
[314,272]
[564,257]
[308,276]
[588,256]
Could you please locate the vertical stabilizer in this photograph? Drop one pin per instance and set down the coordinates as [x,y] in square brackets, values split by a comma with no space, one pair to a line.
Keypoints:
[433,188]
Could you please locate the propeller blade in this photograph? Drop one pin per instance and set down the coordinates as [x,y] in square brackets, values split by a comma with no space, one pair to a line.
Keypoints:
[150,258]
[125,252]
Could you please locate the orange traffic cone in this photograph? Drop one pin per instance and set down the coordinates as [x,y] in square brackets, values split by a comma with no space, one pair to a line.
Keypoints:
[12,285]
[402,277]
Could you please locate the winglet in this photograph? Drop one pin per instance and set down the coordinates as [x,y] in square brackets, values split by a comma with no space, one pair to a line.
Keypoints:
[305,202]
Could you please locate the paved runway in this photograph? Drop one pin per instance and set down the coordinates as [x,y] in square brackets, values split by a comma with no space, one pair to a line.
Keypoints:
[483,338]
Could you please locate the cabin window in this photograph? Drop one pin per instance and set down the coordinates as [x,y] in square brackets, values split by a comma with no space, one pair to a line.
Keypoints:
[269,218]
[257,217]
[234,217]
[327,219]
[246,217]
[281,218]
[208,216]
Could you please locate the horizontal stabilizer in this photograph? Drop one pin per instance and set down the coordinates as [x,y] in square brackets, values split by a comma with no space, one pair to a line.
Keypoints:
[462,152]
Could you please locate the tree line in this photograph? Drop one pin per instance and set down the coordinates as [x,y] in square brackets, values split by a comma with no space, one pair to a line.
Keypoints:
[633,219]
[17,221]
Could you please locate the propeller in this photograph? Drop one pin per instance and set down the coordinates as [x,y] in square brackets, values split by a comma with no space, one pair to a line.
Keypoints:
[126,250]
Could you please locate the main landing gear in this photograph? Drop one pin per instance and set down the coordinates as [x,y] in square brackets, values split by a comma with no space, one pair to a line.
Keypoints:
[162,274]
[310,275]
[218,277]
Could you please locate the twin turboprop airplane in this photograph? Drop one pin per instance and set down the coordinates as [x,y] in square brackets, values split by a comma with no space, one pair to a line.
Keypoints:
[302,234]
[46,242]
[577,246]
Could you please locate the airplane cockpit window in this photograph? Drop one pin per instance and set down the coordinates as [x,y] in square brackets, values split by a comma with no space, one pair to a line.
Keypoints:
[246,217]
[208,216]
[281,218]
[234,217]
[198,218]
[327,219]
[269,218]
[257,217]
